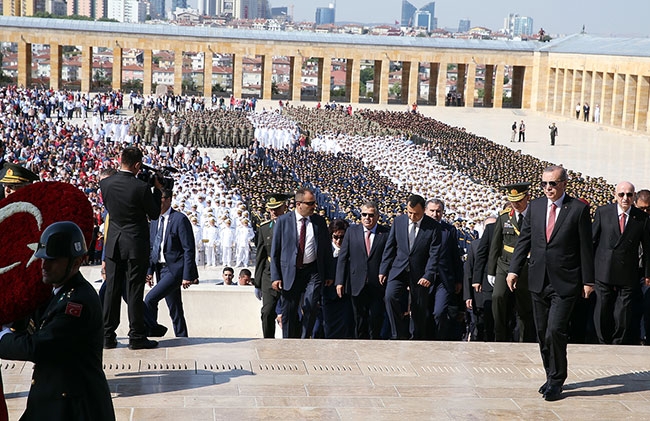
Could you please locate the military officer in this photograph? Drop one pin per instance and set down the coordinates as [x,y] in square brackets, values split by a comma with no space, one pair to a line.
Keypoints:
[276,205]
[506,234]
[14,177]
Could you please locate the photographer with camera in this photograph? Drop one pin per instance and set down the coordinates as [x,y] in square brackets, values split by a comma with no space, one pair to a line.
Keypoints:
[129,202]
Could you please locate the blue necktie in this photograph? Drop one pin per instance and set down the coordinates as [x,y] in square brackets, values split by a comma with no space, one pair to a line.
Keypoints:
[157,242]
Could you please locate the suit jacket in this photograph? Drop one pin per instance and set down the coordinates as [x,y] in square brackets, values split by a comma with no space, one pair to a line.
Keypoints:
[355,268]
[481,259]
[129,202]
[263,243]
[422,260]
[179,248]
[567,260]
[284,249]
[68,382]
[617,255]
[450,264]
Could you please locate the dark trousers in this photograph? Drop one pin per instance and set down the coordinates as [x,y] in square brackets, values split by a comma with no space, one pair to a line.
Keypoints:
[169,288]
[645,325]
[369,310]
[270,300]
[614,312]
[420,314]
[438,304]
[552,313]
[130,275]
[338,321]
[508,305]
[304,295]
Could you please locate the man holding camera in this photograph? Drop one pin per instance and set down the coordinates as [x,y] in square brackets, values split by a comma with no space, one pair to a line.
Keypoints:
[129,202]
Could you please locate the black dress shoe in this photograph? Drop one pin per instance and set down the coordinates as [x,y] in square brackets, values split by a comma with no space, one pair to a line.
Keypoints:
[110,343]
[158,331]
[542,388]
[143,344]
[553,393]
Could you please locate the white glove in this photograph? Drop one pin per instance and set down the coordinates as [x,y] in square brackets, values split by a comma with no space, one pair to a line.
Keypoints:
[491,279]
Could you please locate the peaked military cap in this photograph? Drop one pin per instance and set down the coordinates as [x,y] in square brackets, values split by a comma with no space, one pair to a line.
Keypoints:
[275,200]
[517,191]
[15,174]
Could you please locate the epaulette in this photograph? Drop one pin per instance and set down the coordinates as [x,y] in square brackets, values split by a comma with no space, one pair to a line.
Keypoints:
[503,212]
[266,222]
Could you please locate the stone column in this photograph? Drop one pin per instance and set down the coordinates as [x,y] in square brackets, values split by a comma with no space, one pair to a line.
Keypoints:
[147,75]
[629,101]
[488,87]
[178,72]
[434,70]
[518,76]
[237,74]
[324,76]
[376,81]
[207,75]
[461,73]
[24,63]
[267,76]
[441,84]
[117,68]
[471,85]
[606,104]
[86,68]
[587,96]
[410,74]
[352,79]
[296,76]
[576,91]
[55,66]
[618,99]
[566,95]
[641,122]
[596,94]
[498,85]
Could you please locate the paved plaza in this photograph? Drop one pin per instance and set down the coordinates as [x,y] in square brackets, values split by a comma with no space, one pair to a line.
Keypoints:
[211,377]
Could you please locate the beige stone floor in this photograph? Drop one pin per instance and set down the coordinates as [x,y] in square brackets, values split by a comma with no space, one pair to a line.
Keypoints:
[241,379]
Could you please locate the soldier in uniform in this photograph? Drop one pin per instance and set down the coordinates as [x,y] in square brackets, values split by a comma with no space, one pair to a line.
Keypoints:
[64,340]
[506,234]
[13,177]
[276,205]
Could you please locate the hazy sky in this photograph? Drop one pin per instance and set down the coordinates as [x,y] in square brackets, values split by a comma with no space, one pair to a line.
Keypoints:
[618,17]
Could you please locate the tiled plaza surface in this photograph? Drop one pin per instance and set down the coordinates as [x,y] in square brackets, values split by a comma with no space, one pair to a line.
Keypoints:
[237,379]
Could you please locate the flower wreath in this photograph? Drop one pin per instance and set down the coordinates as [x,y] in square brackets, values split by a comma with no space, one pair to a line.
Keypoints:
[23,217]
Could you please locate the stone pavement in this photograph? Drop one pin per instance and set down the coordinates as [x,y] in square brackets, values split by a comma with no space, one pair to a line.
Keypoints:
[242,379]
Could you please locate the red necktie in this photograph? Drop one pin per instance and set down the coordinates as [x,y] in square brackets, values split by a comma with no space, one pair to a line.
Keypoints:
[301,243]
[621,222]
[368,242]
[551,222]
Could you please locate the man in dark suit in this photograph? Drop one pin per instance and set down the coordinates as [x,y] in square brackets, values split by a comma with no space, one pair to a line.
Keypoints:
[449,280]
[301,261]
[477,291]
[410,260]
[173,261]
[357,272]
[64,340]
[557,234]
[618,231]
[129,202]
[276,204]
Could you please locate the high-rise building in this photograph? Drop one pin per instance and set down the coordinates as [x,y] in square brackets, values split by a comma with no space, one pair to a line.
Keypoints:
[91,8]
[131,11]
[515,25]
[408,10]
[424,17]
[464,25]
[157,9]
[325,15]
[280,13]
[22,7]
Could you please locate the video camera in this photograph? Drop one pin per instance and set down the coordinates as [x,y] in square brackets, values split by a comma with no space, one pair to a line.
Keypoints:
[150,174]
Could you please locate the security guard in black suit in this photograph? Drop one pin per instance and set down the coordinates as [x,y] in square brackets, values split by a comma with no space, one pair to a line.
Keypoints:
[276,205]
[506,234]
[64,340]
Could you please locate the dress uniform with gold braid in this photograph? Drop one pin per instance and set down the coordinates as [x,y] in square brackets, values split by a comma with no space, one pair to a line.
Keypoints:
[504,302]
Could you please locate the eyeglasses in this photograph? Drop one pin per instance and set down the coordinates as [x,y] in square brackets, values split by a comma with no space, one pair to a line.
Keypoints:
[623,194]
[550,183]
[337,237]
[312,203]
[367,215]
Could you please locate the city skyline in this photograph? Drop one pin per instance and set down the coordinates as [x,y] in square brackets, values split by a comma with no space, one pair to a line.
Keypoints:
[599,17]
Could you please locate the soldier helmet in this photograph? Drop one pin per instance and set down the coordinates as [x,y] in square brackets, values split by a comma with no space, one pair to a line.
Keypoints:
[61,239]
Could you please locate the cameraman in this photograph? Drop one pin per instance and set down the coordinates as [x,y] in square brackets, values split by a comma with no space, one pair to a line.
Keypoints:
[129,201]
